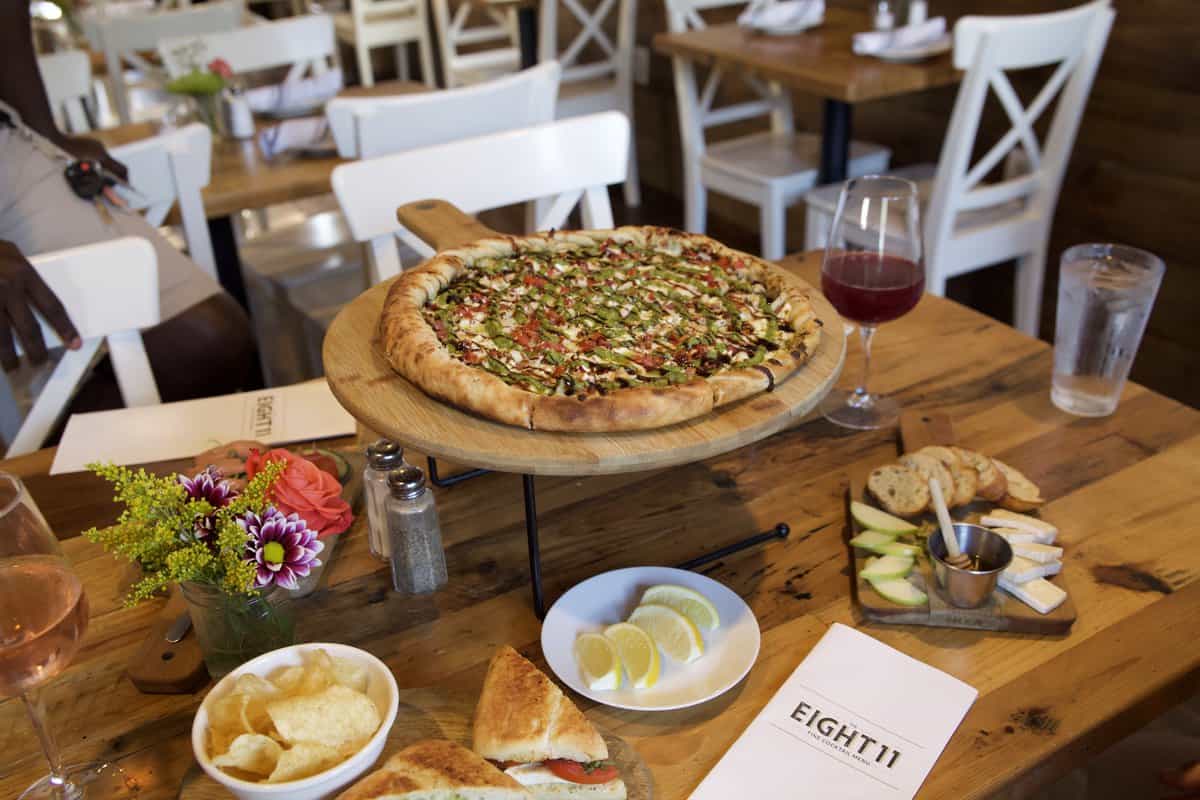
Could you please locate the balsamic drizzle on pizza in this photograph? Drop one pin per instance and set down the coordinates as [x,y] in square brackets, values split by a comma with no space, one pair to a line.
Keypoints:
[612,315]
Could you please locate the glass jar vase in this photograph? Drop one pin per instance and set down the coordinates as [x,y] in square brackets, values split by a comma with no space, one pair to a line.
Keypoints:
[232,629]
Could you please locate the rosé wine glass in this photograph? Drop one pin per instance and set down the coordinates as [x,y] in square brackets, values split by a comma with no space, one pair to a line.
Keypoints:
[43,616]
[872,273]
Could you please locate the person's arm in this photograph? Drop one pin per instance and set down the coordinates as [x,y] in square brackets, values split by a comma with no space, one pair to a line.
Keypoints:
[22,88]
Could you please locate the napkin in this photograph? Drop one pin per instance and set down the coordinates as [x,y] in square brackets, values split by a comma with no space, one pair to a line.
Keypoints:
[290,96]
[906,38]
[785,14]
[301,412]
[856,719]
[303,133]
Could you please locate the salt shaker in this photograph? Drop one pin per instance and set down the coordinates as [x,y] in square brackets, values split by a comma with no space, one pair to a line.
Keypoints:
[918,12]
[239,121]
[884,17]
[383,456]
[418,560]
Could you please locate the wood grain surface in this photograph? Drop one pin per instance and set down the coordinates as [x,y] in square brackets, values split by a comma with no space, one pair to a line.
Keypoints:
[1123,486]
[818,61]
[444,714]
[376,395]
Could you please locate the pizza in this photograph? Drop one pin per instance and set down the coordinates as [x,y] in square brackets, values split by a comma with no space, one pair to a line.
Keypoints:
[598,331]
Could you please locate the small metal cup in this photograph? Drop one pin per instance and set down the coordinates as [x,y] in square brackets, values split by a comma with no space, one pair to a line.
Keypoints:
[967,588]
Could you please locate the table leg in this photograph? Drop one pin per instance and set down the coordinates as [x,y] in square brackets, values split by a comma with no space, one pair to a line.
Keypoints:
[835,141]
[229,263]
[780,531]
[440,482]
[527,34]
[535,551]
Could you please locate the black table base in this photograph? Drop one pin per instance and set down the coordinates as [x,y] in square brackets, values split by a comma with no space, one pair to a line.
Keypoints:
[835,141]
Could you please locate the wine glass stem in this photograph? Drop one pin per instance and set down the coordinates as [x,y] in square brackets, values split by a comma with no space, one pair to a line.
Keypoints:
[861,397]
[36,709]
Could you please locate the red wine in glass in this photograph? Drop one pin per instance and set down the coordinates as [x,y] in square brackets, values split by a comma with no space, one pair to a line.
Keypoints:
[870,288]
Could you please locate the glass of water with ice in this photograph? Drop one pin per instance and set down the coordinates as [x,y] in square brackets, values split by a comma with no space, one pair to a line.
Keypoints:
[1105,294]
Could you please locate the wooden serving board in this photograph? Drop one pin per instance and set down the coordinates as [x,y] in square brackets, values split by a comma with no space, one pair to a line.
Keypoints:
[440,714]
[1002,613]
[385,402]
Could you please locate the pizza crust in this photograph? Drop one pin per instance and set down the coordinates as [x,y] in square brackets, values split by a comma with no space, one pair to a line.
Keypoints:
[635,409]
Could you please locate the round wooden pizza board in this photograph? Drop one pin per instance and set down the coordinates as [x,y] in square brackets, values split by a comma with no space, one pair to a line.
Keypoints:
[438,714]
[382,400]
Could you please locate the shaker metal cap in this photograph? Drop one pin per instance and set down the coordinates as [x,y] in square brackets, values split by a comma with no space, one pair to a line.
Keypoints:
[406,482]
[384,454]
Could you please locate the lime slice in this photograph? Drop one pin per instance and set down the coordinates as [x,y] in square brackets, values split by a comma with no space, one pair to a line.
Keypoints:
[599,662]
[693,605]
[637,652]
[672,631]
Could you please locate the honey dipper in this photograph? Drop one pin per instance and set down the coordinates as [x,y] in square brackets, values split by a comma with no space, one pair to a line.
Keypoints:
[954,556]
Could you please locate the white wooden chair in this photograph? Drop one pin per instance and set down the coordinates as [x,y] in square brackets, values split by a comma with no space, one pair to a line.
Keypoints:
[171,168]
[573,161]
[455,30]
[306,44]
[123,38]
[772,169]
[379,23]
[110,290]
[369,127]
[68,79]
[590,83]
[970,224]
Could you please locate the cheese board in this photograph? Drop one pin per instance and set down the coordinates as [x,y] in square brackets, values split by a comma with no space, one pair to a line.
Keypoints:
[1002,612]
[369,389]
[443,714]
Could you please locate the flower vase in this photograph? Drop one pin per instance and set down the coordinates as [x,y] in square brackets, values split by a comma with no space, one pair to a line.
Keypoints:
[232,629]
[308,584]
[208,109]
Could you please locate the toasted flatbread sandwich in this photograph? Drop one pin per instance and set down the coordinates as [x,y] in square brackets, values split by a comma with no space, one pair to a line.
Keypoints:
[436,769]
[530,729]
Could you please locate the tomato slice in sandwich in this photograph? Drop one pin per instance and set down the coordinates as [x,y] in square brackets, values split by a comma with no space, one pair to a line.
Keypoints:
[576,772]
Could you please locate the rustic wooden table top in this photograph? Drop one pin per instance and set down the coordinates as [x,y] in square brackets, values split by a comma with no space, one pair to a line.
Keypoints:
[1122,491]
[243,178]
[818,61]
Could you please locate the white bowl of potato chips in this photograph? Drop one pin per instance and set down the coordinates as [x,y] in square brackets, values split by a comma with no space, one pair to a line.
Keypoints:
[297,723]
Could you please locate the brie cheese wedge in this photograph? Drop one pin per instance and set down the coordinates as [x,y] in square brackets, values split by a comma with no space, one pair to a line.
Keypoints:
[1041,595]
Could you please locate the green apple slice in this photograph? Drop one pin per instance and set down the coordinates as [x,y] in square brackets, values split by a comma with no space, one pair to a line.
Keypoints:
[900,591]
[876,520]
[897,549]
[871,540]
[887,567]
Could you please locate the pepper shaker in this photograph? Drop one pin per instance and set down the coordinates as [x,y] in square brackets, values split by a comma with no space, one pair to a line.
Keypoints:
[383,456]
[884,17]
[418,560]
[918,12]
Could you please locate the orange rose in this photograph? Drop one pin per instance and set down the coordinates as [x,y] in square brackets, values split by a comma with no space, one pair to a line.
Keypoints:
[306,490]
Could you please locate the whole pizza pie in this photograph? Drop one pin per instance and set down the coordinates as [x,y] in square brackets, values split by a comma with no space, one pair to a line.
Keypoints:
[626,329]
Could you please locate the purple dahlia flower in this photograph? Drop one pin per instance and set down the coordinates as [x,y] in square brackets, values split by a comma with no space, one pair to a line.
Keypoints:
[281,547]
[208,485]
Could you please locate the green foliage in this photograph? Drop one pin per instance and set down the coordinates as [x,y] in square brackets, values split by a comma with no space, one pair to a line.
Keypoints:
[157,530]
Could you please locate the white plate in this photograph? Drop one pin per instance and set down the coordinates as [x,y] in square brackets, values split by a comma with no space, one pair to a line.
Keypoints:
[788,30]
[904,55]
[598,602]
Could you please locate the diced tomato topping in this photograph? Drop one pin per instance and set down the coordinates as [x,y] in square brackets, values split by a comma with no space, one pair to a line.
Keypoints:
[473,357]
[534,280]
[553,316]
[575,772]
[649,360]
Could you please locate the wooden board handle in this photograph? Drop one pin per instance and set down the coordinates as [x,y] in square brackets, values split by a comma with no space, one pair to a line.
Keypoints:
[923,428]
[442,224]
[161,667]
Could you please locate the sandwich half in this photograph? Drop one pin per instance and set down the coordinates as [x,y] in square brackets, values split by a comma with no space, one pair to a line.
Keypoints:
[527,727]
[436,769]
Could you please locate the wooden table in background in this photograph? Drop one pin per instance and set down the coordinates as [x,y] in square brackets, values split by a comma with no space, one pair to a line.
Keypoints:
[242,178]
[1122,490]
[818,61]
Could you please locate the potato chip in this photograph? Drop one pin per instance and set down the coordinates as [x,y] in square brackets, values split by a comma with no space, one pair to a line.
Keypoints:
[219,741]
[225,714]
[302,760]
[254,685]
[337,716]
[251,752]
[287,679]
[350,674]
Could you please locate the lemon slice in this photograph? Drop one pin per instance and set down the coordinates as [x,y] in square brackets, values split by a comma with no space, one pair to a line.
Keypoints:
[637,653]
[693,605]
[678,637]
[599,662]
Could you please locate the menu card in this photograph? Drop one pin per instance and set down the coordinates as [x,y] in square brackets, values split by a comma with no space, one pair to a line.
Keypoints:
[857,719]
[284,414]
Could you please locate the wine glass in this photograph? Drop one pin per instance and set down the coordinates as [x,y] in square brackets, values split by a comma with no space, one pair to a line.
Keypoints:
[43,616]
[872,273]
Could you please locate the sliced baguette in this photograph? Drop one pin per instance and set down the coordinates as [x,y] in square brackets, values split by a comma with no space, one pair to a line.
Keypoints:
[1021,494]
[966,479]
[992,483]
[900,490]
[928,468]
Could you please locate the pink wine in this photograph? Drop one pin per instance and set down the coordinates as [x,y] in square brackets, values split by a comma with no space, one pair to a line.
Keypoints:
[43,614]
[868,288]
